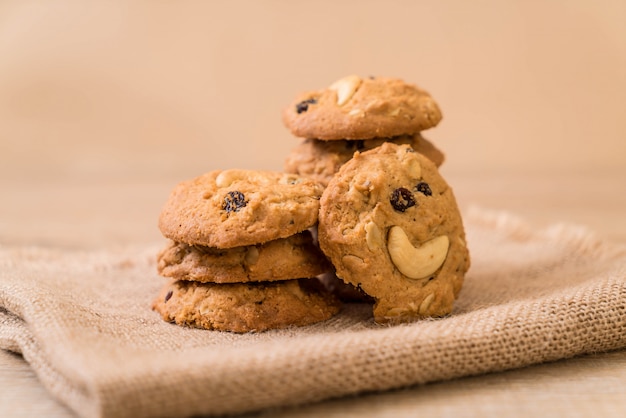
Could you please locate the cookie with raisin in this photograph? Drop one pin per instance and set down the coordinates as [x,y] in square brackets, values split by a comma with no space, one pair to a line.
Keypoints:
[246,307]
[234,208]
[362,108]
[391,226]
[320,160]
[280,259]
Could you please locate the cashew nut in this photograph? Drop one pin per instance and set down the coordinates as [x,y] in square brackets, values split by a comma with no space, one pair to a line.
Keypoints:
[420,262]
[373,237]
[345,88]
[357,112]
[428,300]
[228,177]
[413,168]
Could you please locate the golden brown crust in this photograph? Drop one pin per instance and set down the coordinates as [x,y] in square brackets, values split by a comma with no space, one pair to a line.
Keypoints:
[245,307]
[286,258]
[373,108]
[359,208]
[234,208]
[320,160]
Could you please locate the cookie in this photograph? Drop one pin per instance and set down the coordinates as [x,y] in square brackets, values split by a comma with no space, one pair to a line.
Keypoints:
[234,208]
[362,108]
[245,307]
[391,227]
[286,258]
[320,160]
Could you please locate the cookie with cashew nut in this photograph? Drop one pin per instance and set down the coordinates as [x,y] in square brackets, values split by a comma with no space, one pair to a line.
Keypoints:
[233,208]
[320,160]
[279,259]
[362,108]
[391,226]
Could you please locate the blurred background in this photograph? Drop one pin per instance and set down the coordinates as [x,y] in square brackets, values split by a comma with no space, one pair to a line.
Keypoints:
[104,106]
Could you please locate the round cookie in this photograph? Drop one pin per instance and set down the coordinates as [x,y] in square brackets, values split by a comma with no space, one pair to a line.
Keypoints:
[246,307]
[391,227]
[234,208]
[362,108]
[281,259]
[320,160]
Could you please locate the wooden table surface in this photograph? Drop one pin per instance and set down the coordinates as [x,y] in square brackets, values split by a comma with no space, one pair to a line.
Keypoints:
[92,215]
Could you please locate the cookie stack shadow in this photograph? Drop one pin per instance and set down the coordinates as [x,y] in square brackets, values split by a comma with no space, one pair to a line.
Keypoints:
[243,251]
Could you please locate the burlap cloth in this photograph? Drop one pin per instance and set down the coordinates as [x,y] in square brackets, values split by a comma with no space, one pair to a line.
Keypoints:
[83,322]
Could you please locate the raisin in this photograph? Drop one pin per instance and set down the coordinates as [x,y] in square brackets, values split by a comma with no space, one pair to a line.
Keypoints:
[303,106]
[234,201]
[402,199]
[424,188]
[168,296]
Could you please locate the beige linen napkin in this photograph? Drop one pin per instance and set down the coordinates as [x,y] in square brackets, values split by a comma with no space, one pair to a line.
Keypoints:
[83,321]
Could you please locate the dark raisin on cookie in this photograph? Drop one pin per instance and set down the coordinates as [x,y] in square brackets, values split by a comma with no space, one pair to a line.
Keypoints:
[234,201]
[401,199]
[303,106]
[168,295]
[424,188]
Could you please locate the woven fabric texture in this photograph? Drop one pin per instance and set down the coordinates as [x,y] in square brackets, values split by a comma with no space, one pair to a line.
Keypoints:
[83,322]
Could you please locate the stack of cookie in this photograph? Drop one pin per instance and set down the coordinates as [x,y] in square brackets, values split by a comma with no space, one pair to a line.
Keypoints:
[388,221]
[240,255]
[361,205]
[357,114]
